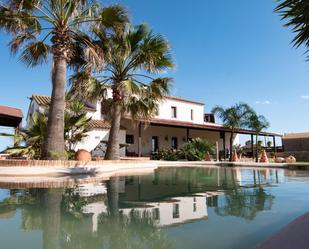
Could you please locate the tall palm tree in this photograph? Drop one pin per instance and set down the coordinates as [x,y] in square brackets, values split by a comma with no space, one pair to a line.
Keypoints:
[234,117]
[257,123]
[296,14]
[133,59]
[32,23]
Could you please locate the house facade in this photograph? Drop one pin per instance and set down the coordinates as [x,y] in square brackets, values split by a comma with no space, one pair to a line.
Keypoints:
[177,121]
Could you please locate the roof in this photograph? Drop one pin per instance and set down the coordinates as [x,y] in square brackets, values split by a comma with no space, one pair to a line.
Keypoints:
[10,111]
[45,101]
[296,135]
[10,117]
[184,100]
[100,124]
[210,127]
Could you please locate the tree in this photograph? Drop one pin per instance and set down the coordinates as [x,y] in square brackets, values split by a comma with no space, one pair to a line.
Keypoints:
[296,14]
[135,56]
[257,123]
[196,149]
[234,117]
[32,22]
[30,141]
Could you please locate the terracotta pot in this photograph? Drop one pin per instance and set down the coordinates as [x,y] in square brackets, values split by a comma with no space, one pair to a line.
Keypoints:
[82,155]
[264,158]
[234,156]
[279,160]
[290,159]
[207,157]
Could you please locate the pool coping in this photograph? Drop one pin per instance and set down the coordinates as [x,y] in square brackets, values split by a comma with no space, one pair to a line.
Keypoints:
[293,235]
[64,168]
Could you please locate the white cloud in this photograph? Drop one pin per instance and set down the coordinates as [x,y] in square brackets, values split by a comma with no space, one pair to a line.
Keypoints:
[305,97]
[264,102]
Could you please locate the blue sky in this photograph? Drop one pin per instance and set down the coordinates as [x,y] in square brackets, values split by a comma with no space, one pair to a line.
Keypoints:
[225,52]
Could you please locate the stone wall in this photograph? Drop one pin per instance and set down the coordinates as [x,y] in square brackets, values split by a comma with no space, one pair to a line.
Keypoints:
[299,155]
[296,144]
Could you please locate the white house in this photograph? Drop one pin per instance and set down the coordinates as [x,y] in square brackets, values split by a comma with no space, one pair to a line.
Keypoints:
[177,121]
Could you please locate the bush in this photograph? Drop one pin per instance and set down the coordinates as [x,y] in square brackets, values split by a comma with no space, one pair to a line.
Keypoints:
[197,148]
[168,155]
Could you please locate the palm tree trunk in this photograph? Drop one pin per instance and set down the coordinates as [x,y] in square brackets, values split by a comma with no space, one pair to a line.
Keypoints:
[112,151]
[54,145]
[113,196]
[256,149]
[231,145]
[51,219]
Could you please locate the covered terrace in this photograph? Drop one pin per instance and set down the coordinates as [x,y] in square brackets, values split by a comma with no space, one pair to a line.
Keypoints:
[190,128]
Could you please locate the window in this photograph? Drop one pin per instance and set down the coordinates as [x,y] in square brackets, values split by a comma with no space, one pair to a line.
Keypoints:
[174,143]
[129,139]
[192,114]
[175,211]
[174,112]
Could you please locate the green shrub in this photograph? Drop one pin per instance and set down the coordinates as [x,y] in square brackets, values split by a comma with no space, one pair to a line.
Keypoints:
[196,149]
[168,155]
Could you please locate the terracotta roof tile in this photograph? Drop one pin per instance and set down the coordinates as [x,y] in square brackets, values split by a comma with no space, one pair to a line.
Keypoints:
[10,111]
[101,124]
[210,127]
[45,100]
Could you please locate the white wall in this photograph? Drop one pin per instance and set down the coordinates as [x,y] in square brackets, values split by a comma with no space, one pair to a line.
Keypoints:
[94,138]
[183,111]
[33,107]
[97,114]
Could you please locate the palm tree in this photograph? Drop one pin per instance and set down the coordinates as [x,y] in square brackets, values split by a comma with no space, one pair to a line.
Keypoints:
[29,142]
[234,117]
[134,57]
[296,14]
[32,22]
[257,123]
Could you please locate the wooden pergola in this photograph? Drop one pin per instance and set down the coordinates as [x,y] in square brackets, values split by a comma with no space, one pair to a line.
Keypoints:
[10,117]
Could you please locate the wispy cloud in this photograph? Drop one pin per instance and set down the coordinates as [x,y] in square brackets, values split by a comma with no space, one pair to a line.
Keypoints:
[263,102]
[305,97]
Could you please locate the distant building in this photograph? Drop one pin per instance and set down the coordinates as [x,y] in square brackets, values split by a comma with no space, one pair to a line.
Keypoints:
[296,144]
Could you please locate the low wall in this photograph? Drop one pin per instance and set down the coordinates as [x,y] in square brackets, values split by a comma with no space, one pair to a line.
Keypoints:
[302,156]
[64,163]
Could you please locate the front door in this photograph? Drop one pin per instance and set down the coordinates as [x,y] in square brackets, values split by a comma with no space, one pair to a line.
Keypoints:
[154,144]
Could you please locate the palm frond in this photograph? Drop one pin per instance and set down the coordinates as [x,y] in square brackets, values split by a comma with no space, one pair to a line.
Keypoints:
[35,53]
[114,17]
[296,15]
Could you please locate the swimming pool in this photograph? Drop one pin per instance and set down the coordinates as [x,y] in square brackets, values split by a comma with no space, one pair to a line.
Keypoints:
[212,207]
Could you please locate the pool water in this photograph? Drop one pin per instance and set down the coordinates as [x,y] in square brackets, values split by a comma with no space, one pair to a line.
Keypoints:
[168,208]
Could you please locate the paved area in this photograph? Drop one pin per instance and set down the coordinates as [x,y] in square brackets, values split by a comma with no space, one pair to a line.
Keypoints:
[293,236]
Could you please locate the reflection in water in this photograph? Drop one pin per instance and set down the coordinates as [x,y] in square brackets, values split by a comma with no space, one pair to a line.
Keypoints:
[129,212]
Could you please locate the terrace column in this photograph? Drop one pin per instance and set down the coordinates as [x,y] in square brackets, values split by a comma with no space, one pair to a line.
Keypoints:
[140,139]
[252,146]
[188,134]
[222,134]
[274,142]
